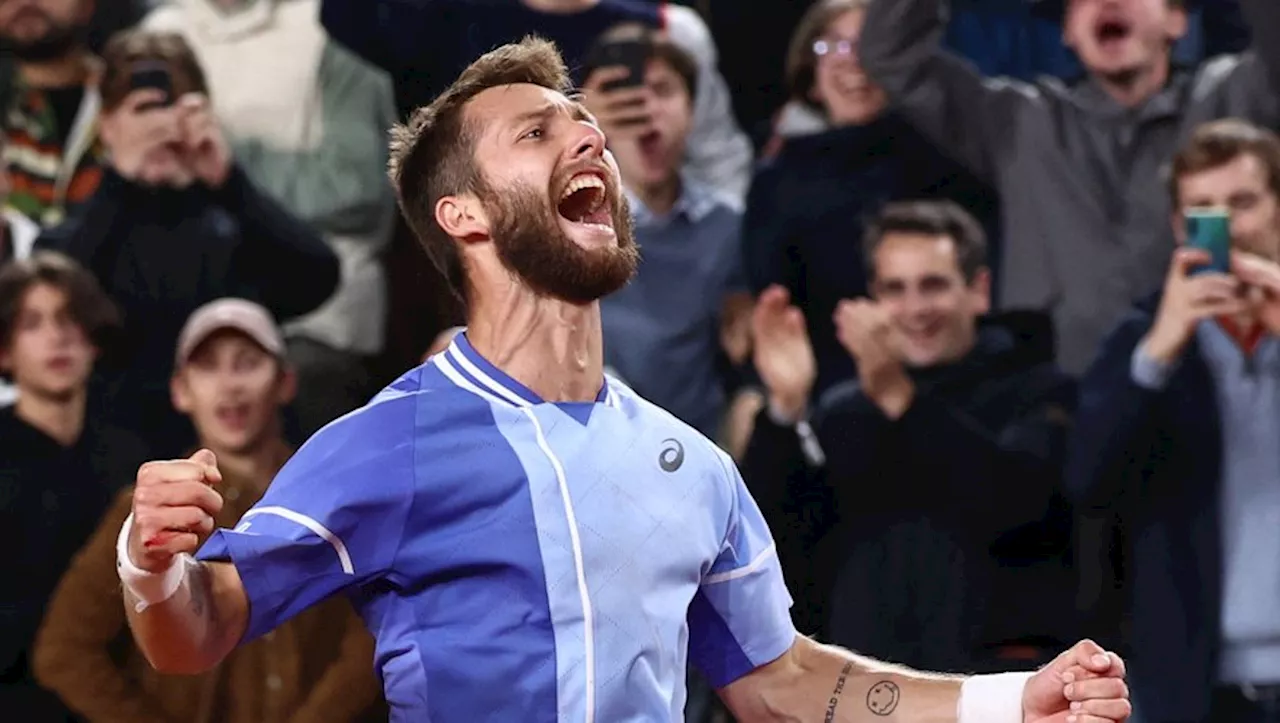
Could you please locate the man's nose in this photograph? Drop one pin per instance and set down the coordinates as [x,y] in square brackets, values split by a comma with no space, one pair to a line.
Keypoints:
[589,144]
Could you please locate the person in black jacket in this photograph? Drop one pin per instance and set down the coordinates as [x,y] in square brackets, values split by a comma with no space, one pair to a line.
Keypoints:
[1177,435]
[911,496]
[175,224]
[60,463]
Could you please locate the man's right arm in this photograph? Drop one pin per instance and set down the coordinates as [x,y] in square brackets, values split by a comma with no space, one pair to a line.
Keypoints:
[330,521]
[198,626]
[973,118]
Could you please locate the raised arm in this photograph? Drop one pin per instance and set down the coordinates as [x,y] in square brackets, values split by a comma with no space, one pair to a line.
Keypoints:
[1252,84]
[186,615]
[819,682]
[973,118]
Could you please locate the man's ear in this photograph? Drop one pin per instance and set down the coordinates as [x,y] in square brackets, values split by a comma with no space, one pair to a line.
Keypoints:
[463,218]
[178,393]
[1177,24]
[288,386]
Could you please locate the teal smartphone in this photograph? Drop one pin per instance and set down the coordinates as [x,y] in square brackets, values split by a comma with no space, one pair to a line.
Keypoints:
[1210,229]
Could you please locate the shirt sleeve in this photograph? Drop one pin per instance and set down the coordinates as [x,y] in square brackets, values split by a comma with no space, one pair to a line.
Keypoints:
[1147,372]
[331,520]
[740,618]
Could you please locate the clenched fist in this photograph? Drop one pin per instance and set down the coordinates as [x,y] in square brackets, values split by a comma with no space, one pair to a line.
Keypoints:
[174,506]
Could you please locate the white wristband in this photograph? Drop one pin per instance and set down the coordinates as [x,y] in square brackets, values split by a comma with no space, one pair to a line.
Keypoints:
[992,698]
[149,588]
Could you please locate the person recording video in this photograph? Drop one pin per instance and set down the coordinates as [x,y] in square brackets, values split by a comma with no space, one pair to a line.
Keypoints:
[176,223]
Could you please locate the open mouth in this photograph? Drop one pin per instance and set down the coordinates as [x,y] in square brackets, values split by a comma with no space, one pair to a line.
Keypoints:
[235,416]
[583,201]
[1112,31]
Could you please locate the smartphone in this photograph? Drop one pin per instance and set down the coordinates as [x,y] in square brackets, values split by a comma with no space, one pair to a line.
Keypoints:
[630,54]
[1210,229]
[149,75]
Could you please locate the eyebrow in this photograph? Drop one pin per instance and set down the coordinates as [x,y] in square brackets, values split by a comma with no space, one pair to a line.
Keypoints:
[547,110]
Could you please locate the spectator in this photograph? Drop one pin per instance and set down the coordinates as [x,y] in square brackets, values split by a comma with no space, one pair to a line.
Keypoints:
[424,44]
[54,155]
[61,464]
[1084,218]
[929,485]
[176,224]
[311,134]
[1177,430]
[671,314]
[843,154]
[17,237]
[232,379]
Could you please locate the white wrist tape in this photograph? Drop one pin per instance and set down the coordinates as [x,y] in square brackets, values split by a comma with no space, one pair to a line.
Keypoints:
[149,588]
[992,698]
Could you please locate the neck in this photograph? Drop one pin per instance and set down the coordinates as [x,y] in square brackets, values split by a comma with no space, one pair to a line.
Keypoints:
[61,419]
[560,6]
[1133,89]
[71,69]
[554,348]
[256,465]
[659,197]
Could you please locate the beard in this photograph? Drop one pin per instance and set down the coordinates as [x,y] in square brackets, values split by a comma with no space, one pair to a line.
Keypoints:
[59,40]
[530,242]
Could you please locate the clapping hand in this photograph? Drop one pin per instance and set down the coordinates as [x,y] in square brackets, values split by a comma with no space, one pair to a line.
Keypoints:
[783,355]
[863,328]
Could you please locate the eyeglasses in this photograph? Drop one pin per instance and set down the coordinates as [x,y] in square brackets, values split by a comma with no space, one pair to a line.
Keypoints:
[839,47]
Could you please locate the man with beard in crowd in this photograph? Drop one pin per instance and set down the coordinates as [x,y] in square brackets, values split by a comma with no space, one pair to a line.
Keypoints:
[528,539]
[55,159]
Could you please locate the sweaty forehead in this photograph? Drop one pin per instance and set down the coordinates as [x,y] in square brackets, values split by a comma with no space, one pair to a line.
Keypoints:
[504,106]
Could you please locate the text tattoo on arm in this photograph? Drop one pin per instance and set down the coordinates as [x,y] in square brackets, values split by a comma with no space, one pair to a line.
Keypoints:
[835,694]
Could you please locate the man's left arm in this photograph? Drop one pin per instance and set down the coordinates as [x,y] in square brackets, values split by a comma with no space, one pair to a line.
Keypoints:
[742,639]
[814,682]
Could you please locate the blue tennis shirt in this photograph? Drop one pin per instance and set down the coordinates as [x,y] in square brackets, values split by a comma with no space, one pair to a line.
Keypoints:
[517,559]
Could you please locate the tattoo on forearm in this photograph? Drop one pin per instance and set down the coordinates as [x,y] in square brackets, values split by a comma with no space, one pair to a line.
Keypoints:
[198,583]
[835,694]
[883,697]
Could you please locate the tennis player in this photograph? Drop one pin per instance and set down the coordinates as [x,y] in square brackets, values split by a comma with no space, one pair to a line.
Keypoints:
[526,538]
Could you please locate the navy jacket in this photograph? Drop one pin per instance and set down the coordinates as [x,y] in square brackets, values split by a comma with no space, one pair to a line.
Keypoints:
[1154,458]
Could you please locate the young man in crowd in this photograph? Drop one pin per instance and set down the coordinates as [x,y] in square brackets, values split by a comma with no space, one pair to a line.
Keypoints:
[672,313]
[177,223]
[52,117]
[231,379]
[910,497]
[1077,168]
[1176,434]
[17,239]
[60,465]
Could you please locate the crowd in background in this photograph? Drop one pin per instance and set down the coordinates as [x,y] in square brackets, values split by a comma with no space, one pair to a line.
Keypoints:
[915,264]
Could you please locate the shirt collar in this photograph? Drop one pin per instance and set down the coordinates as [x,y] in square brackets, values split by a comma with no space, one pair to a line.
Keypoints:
[465,367]
[694,204]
